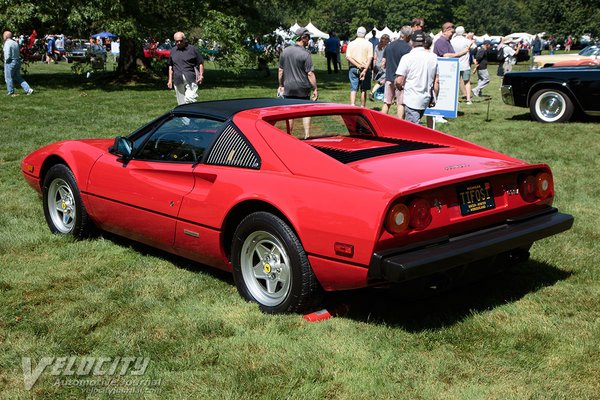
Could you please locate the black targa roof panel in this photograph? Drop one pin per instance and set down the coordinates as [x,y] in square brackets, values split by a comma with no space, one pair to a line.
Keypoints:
[225,109]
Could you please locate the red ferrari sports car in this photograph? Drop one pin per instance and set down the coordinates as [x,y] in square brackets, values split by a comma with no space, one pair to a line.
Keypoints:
[295,197]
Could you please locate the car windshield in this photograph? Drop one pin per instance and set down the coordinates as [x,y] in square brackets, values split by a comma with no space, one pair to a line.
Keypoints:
[590,51]
[320,126]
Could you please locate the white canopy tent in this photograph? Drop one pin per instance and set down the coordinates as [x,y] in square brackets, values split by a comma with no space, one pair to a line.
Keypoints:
[387,31]
[294,27]
[314,31]
[378,34]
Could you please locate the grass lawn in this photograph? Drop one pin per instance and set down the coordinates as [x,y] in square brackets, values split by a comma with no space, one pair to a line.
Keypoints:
[528,332]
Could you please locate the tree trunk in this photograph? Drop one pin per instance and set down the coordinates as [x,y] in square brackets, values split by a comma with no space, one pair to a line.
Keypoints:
[129,53]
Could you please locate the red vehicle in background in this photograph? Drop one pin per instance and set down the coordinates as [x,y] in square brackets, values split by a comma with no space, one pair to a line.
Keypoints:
[160,52]
[30,49]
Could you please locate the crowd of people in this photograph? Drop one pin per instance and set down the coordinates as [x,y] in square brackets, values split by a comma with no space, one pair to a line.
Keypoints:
[403,71]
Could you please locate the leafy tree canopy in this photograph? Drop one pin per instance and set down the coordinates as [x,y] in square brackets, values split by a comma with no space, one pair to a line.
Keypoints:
[231,22]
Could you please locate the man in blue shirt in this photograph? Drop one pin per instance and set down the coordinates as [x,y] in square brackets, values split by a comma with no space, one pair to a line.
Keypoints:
[332,52]
[12,65]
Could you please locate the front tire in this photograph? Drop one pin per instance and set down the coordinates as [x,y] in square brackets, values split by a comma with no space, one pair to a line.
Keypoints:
[270,266]
[551,105]
[63,208]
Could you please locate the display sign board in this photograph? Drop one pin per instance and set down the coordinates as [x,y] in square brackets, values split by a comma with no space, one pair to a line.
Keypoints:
[447,101]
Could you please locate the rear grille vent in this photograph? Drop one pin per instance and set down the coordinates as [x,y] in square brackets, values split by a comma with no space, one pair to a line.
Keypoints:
[400,146]
[232,149]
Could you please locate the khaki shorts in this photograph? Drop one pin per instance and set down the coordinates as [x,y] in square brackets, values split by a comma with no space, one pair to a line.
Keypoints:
[390,91]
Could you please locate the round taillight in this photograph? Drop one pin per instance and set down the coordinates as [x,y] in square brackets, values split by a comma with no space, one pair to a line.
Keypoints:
[420,213]
[397,219]
[544,185]
[527,187]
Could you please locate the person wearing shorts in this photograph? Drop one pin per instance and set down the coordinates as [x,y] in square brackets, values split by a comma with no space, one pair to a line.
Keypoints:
[360,57]
[392,55]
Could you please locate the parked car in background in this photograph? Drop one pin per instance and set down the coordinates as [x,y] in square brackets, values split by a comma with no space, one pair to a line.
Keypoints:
[346,198]
[77,51]
[544,61]
[522,55]
[553,94]
[577,63]
[84,51]
[161,51]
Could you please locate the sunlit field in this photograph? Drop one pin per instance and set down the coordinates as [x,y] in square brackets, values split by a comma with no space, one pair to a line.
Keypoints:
[531,331]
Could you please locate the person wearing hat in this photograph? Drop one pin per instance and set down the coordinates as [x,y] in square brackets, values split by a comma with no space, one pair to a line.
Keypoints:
[418,76]
[509,56]
[460,43]
[481,67]
[296,74]
[296,71]
[360,56]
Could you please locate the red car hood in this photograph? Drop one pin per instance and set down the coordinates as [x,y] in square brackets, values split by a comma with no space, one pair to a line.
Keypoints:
[417,170]
[102,144]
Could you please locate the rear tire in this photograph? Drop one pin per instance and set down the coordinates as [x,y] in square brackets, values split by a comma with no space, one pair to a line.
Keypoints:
[270,266]
[551,105]
[63,208]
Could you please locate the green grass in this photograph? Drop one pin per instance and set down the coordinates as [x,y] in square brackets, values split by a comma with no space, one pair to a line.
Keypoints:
[528,332]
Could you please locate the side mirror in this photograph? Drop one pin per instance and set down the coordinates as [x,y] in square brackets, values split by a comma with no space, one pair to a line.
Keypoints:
[122,147]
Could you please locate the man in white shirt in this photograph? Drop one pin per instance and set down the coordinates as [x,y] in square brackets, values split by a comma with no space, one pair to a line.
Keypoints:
[417,75]
[460,43]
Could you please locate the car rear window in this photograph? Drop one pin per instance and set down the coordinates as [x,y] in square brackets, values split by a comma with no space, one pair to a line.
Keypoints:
[319,126]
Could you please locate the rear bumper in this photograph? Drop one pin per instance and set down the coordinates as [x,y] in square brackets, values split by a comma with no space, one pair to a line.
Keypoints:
[422,259]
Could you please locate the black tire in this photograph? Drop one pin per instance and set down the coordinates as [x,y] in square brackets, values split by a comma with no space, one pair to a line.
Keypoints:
[270,266]
[551,105]
[63,208]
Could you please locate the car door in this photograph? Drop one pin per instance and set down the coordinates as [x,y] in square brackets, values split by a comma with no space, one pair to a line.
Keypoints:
[140,198]
[587,88]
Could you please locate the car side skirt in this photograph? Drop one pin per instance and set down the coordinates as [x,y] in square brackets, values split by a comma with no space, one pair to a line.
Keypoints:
[423,259]
[336,275]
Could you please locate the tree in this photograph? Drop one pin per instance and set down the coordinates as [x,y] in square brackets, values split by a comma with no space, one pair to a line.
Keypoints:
[136,20]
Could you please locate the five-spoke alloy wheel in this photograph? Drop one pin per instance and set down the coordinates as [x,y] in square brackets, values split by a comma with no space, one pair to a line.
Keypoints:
[270,266]
[63,208]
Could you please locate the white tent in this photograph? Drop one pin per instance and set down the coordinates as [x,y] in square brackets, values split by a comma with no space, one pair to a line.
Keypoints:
[294,27]
[369,35]
[387,31]
[316,32]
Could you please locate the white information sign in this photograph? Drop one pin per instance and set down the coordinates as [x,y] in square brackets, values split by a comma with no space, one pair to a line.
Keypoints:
[447,101]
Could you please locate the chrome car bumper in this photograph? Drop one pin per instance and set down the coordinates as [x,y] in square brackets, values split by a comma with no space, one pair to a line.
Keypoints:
[423,259]
[507,95]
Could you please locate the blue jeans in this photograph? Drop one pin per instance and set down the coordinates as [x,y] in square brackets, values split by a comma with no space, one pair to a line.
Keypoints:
[12,73]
